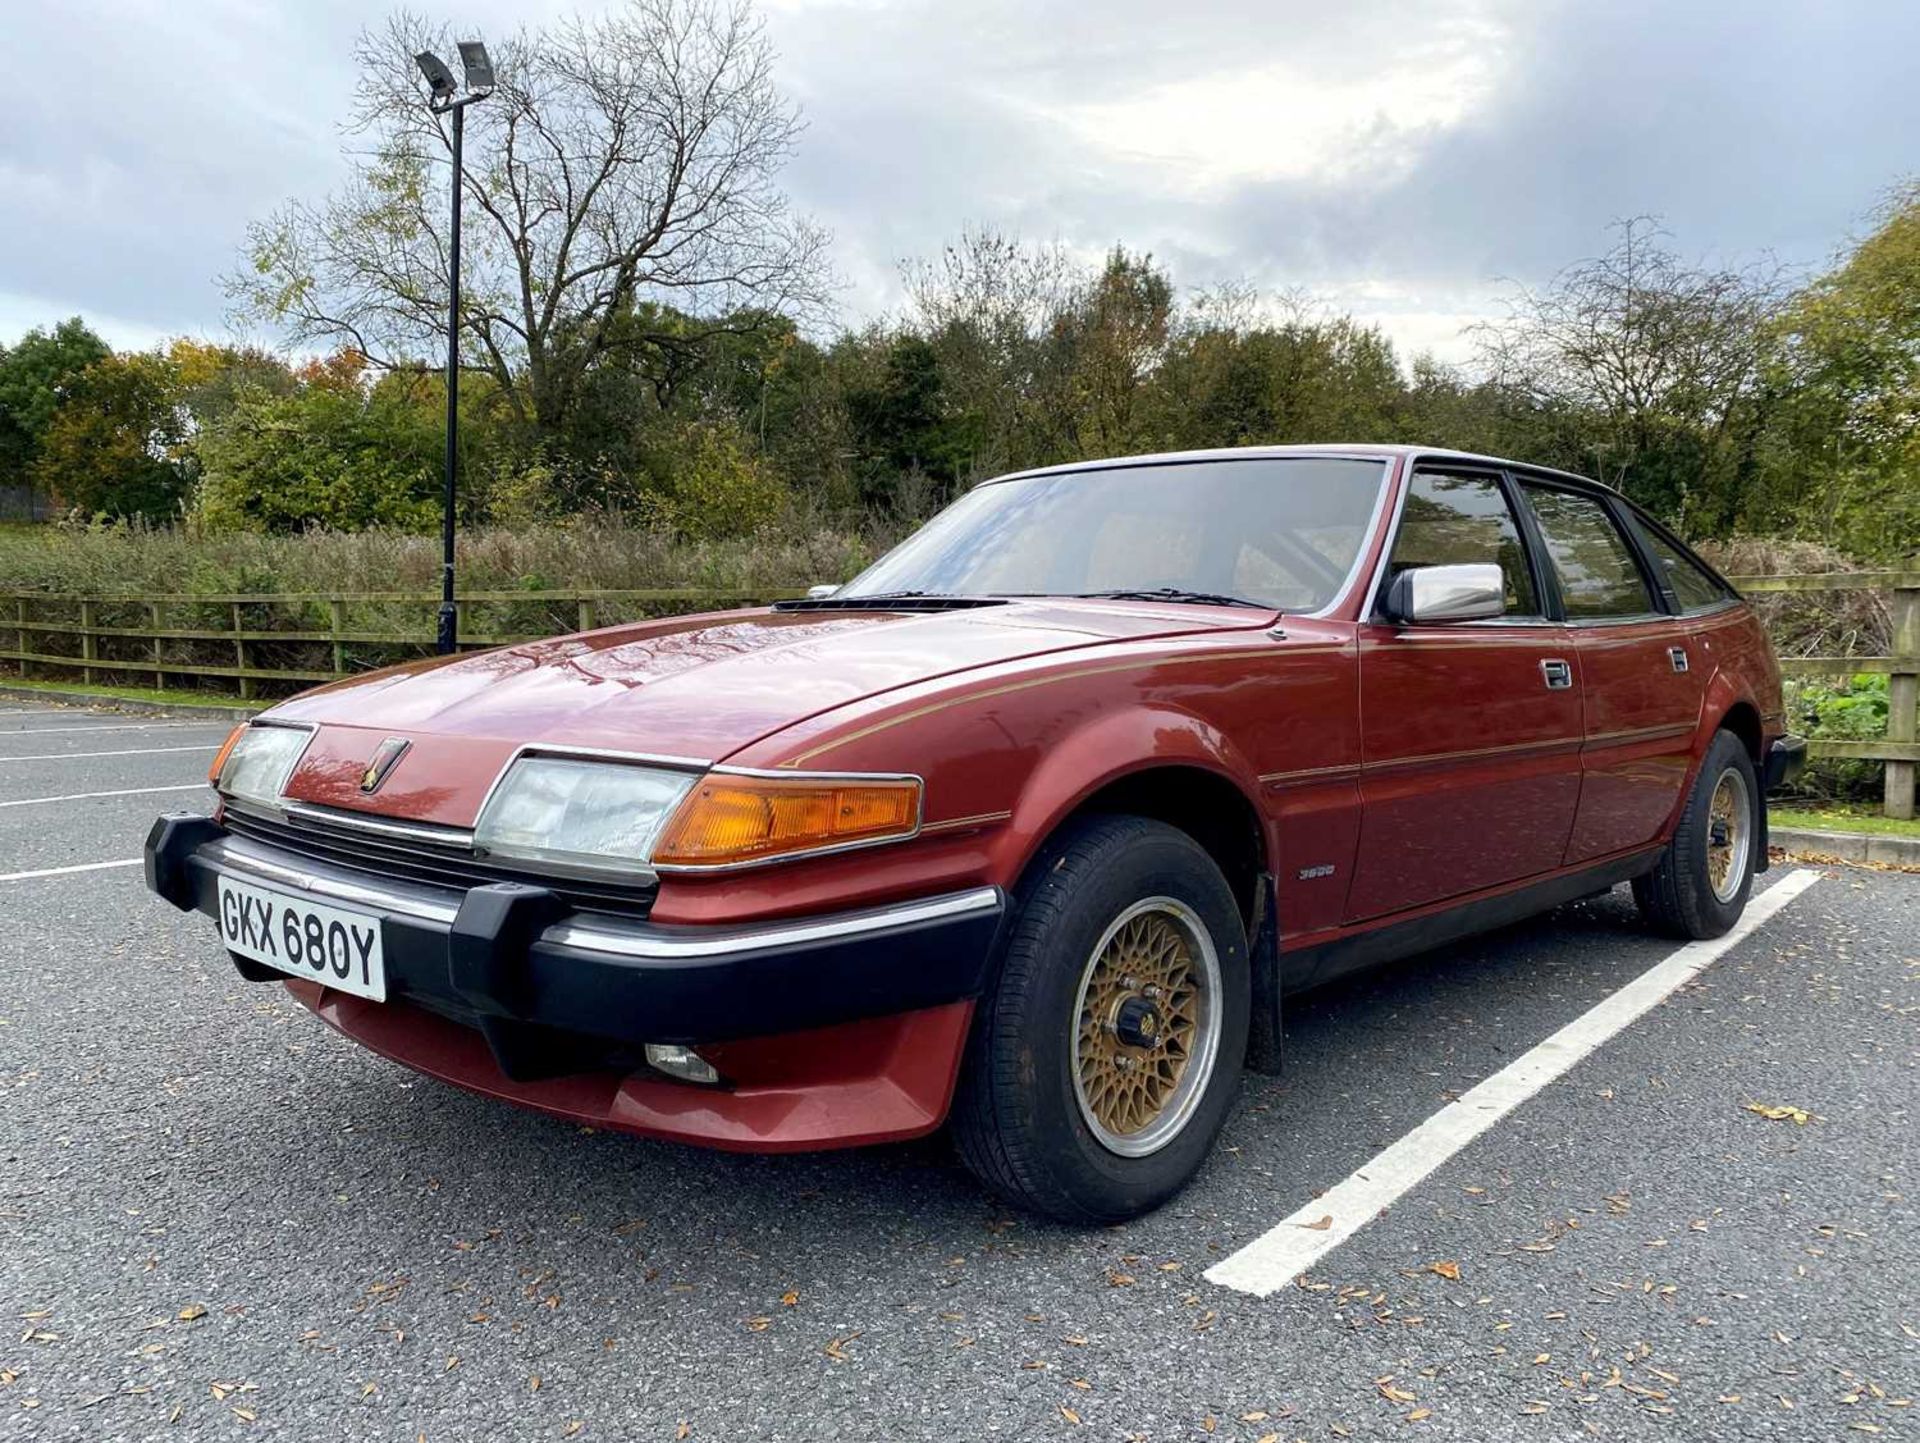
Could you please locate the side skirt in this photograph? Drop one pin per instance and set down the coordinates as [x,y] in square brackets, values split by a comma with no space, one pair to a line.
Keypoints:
[1329,961]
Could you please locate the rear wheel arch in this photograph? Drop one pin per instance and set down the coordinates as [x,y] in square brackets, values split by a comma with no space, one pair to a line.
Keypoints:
[1742,718]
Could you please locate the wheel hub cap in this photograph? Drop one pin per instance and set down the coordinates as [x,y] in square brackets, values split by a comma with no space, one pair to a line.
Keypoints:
[1147,1027]
[1136,1023]
[1729,835]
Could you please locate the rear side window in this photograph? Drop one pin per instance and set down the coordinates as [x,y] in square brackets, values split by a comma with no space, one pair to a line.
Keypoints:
[1460,520]
[1599,577]
[1688,578]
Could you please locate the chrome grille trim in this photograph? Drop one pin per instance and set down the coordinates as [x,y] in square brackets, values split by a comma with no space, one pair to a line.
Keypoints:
[438,857]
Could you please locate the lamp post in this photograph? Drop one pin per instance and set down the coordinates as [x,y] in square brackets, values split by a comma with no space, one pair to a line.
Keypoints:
[446,96]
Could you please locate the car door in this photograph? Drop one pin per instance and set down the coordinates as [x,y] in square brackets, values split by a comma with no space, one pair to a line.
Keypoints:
[1642,683]
[1470,732]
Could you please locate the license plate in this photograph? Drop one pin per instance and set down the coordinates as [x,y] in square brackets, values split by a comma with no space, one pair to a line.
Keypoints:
[321,943]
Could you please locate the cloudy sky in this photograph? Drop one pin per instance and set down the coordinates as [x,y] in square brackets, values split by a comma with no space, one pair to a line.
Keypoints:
[1399,158]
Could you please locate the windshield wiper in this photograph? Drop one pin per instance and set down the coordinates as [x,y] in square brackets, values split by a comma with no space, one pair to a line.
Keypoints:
[889,601]
[1173,593]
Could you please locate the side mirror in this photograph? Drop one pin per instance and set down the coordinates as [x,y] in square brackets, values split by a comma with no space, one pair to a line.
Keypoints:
[1424,595]
[819,593]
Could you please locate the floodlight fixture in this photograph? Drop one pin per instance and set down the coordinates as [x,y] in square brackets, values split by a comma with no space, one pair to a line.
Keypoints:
[473,57]
[439,79]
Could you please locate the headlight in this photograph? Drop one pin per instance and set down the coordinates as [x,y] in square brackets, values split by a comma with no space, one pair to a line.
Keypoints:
[733,819]
[257,760]
[569,813]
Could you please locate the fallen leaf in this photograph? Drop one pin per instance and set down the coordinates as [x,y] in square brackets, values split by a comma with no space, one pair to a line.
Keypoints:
[759,1324]
[192,1312]
[790,1299]
[245,1415]
[1069,1414]
[1781,1112]
[1319,1227]
[1418,1415]
[1393,1394]
[837,1351]
[1120,1280]
[1450,1271]
[685,1430]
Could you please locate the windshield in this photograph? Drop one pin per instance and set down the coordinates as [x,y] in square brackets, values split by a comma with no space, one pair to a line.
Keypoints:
[1281,532]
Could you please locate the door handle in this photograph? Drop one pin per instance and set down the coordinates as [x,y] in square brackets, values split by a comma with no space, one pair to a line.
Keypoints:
[1678,656]
[1557,673]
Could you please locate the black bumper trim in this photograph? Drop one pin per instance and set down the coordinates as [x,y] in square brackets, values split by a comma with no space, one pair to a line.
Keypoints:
[498,968]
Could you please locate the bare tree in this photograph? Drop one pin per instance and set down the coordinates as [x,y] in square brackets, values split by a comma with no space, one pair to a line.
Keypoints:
[625,167]
[1638,340]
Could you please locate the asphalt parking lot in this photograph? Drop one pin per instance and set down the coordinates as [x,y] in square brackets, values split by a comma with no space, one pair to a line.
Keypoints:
[220,1220]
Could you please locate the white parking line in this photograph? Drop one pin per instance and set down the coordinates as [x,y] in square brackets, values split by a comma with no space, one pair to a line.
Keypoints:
[1293,1245]
[112,727]
[63,871]
[130,752]
[88,796]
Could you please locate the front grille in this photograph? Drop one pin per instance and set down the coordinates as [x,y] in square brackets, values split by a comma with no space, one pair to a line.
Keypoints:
[389,857]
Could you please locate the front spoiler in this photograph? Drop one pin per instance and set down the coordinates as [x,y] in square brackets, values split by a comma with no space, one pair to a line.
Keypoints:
[554,992]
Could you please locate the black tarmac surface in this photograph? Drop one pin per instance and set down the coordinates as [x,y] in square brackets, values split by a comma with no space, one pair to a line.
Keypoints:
[220,1220]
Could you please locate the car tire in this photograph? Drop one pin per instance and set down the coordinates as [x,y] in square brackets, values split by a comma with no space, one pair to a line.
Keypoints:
[1701,885]
[1107,1054]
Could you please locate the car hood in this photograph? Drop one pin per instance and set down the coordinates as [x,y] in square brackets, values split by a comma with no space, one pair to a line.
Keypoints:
[694,687]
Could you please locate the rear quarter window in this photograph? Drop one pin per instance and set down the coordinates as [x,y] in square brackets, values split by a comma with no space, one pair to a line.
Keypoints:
[1692,583]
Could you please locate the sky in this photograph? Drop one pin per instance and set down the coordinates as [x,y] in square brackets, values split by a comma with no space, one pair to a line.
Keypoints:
[1408,161]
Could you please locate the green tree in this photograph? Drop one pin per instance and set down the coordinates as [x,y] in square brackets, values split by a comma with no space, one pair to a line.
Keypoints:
[332,453]
[904,425]
[713,485]
[1845,464]
[35,377]
[117,444]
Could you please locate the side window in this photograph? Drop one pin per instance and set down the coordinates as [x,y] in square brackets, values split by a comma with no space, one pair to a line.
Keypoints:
[1455,520]
[1599,577]
[1689,580]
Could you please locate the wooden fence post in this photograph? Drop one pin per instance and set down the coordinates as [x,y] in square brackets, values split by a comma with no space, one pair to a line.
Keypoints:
[337,610]
[159,648]
[589,617]
[240,653]
[89,644]
[20,637]
[1903,698]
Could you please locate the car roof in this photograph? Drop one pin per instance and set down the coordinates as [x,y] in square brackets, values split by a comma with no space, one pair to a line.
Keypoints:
[1359,451]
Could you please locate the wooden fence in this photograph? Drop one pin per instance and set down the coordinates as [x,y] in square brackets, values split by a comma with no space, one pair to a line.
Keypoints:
[1900,749]
[272,643]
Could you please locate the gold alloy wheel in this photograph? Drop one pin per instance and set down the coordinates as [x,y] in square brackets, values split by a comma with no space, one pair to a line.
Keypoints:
[1146,1026]
[1729,835]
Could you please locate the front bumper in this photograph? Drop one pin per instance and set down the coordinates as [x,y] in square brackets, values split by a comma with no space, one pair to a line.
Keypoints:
[503,989]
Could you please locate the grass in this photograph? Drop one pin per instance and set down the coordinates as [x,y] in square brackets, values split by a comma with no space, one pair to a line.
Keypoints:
[1843,817]
[170,697]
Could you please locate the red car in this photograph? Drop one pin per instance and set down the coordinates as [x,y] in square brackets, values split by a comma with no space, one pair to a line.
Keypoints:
[1032,825]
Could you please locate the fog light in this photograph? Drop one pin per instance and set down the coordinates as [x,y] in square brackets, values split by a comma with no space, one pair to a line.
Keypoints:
[681,1062]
